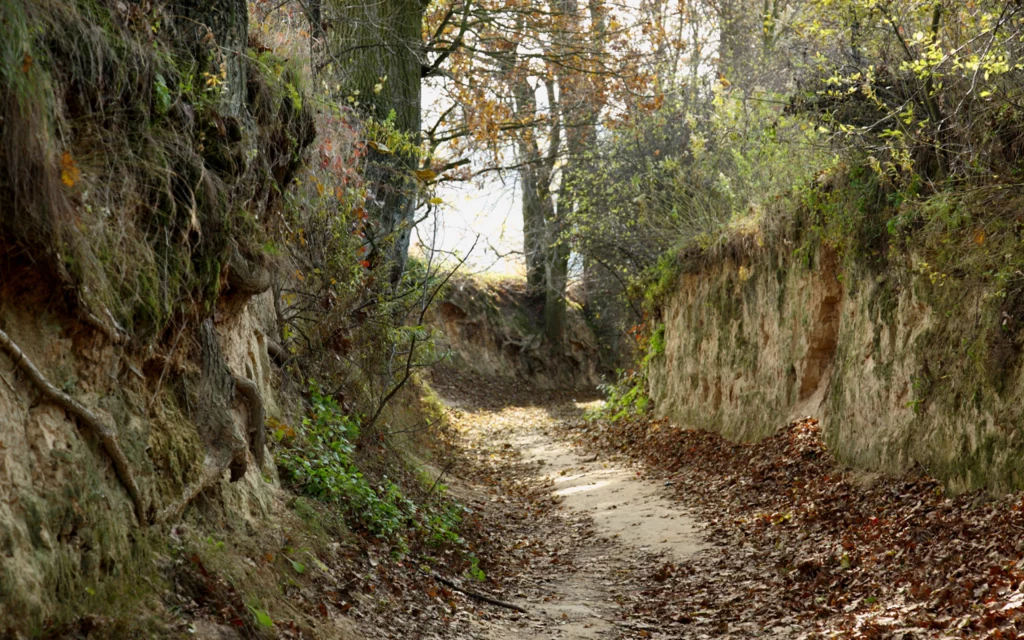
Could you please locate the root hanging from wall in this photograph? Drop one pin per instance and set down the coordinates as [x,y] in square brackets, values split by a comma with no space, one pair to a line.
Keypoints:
[107,435]
[225,443]
[257,429]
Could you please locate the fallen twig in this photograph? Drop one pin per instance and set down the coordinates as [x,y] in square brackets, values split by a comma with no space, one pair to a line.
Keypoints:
[106,435]
[476,594]
[437,480]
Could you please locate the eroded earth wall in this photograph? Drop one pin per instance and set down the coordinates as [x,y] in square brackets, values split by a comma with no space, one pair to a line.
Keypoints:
[495,329]
[902,370]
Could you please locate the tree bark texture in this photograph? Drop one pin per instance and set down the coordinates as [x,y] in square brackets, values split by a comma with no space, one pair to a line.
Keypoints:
[376,48]
[218,30]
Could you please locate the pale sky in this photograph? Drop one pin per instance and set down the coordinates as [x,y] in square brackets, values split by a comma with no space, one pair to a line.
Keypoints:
[490,211]
[488,207]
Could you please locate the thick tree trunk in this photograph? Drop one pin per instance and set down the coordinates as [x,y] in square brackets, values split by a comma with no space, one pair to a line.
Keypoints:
[376,48]
[228,22]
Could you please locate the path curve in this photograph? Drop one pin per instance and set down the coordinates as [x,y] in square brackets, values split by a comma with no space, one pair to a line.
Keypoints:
[627,520]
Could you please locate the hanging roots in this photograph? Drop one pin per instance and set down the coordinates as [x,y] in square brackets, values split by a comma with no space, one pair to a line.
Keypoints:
[257,430]
[107,436]
[224,442]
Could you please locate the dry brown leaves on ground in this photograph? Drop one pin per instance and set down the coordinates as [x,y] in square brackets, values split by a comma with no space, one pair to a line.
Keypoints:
[803,551]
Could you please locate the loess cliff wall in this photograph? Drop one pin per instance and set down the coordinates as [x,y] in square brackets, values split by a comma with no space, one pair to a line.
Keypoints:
[495,329]
[67,524]
[905,368]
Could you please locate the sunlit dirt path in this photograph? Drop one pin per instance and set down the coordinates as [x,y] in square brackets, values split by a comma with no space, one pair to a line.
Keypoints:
[607,534]
[713,539]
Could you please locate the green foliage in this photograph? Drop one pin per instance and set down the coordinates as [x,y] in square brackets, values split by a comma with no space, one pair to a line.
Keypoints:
[161,95]
[261,618]
[386,137]
[933,87]
[625,397]
[656,343]
[319,459]
[688,177]
[443,525]
[658,282]
[474,571]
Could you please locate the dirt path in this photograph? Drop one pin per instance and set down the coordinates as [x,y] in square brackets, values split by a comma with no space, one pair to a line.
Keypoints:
[788,545]
[609,525]
[622,505]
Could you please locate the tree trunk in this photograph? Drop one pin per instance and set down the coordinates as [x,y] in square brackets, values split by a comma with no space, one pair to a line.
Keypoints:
[538,205]
[228,22]
[557,274]
[376,50]
[534,207]
[579,107]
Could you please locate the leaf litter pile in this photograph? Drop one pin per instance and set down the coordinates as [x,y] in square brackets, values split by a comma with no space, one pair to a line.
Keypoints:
[804,549]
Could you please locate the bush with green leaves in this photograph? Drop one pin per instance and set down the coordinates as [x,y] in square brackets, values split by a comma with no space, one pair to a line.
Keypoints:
[625,397]
[318,458]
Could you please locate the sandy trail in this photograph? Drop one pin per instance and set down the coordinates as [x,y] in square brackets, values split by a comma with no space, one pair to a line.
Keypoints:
[626,520]
[621,504]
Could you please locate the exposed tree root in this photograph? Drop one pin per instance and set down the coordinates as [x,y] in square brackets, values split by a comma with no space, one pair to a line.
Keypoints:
[245,279]
[225,444]
[110,330]
[277,353]
[245,276]
[214,466]
[257,429]
[106,435]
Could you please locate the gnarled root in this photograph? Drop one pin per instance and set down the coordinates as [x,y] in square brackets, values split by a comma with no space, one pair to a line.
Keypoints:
[245,279]
[107,436]
[225,444]
[257,430]
[213,469]
[245,276]
[278,354]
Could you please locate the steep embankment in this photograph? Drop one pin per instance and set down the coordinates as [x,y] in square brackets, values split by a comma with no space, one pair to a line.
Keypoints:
[66,522]
[494,328]
[179,275]
[906,347]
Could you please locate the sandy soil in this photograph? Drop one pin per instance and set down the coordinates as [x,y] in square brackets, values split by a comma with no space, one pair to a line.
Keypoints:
[613,521]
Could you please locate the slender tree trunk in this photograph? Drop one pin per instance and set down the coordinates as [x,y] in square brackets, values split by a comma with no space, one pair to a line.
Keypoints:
[579,107]
[535,177]
[557,275]
[533,231]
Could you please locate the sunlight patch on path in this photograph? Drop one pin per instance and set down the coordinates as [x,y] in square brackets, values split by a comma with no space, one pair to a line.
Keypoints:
[622,505]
